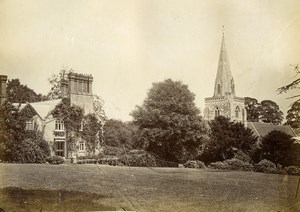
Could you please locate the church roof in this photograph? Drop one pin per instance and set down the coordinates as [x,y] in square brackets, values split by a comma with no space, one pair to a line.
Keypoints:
[224,83]
[262,129]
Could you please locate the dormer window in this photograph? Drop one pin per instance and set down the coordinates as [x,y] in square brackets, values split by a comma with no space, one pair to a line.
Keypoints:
[59,125]
[29,125]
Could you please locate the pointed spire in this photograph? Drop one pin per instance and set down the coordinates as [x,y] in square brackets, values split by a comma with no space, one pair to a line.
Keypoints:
[224,84]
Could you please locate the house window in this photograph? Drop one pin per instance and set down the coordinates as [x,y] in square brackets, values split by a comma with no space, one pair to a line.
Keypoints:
[81,146]
[59,125]
[29,125]
[237,112]
[81,126]
[217,112]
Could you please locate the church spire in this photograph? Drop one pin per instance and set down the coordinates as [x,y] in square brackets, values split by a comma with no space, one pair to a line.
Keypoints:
[224,84]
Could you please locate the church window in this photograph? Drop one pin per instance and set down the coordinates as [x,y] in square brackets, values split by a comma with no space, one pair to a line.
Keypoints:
[217,112]
[219,88]
[59,125]
[237,111]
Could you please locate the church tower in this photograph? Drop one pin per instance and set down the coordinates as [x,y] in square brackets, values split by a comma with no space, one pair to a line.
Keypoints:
[224,102]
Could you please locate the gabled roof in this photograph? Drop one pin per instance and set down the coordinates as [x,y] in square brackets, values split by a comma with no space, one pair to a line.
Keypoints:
[44,108]
[262,129]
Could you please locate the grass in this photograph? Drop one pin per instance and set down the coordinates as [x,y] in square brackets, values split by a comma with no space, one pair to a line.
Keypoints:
[74,187]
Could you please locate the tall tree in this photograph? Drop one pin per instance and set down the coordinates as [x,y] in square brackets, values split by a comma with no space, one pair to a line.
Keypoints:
[169,122]
[18,93]
[293,85]
[55,82]
[270,112]
[253,109]
[227,137]
[276,147]
[293,115]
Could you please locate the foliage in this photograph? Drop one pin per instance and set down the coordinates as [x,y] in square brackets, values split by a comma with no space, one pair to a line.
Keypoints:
[226,138]
[113,151]
[196,164]
[92,133]
[267,111]
[236,164]
[142,160]
[169,122]
[219,165]
[276,146]
[270,112]
[55,82]
[242,156]
[292,170]
[293,115]
[55,159]
[253,109]
[119,134]
[16,92]
[293,85]
[266,166]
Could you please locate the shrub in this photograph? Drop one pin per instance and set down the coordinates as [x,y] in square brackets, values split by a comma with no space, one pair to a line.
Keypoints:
[55,159]
[194,164]
[113,151]
[266,166]
[219,165]
[240,155]
[236,164]
[29,151]
[144,159]
[292,170]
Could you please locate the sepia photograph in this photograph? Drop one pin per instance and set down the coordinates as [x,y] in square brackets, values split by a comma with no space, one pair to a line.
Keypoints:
[150,105]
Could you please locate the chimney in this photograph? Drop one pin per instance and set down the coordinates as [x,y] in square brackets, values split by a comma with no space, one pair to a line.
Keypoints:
[3,96]
[64,88]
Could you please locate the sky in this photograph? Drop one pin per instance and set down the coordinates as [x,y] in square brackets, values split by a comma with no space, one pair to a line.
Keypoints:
[129,44]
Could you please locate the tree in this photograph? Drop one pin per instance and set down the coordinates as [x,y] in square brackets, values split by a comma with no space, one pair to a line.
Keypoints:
[119,134]
[270,112]
[226,138]
[253,109]
[18,93]
[55,82]
[293,85]
[169,122]
[276,147]
[293,115]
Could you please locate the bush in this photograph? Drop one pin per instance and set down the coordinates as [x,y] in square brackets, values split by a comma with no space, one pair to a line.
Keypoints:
[266,166]
[29,151]
[292,170]
[240,155]
[236,164]
[219,165]
[144,159]
[113,151]
[197,164]
[55,159]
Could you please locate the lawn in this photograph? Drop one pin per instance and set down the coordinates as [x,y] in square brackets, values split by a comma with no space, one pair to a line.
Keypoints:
[74,187]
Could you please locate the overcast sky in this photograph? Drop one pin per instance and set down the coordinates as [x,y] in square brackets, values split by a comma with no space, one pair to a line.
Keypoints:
[129,44]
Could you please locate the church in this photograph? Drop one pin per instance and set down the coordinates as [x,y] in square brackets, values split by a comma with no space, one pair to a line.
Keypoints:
[224,101]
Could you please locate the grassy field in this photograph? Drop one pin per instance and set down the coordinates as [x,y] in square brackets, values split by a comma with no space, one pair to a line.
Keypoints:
[68,187]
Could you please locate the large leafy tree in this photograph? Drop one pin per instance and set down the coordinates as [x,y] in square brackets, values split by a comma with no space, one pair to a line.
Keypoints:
[270,112]
[226,138]
[119,134]
[294,85]
[253,109]
[277,147]
[266,111]
[293,115]
[169,122]
[18,93]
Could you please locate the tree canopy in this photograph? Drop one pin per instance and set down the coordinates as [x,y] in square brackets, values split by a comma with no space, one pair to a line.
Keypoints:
[266,111]
[18,93]
[227,137]
[169,122]
[293,115]
[293,85]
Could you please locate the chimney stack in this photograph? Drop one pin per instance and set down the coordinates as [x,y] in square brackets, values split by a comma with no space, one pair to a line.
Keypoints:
[3,96]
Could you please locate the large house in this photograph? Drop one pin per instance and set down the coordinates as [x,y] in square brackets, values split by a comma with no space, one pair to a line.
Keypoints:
[224,102]
[78,89]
